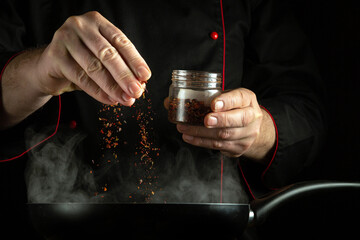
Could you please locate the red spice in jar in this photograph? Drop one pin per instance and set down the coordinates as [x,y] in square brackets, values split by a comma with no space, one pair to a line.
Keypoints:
[190,94]
[188,111]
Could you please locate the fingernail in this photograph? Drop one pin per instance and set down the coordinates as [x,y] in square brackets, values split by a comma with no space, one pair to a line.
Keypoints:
[188,138]
[212,121]
[182,127]
[143,73]
[127,101]
[113,101]
[126,97]
[219,105]
[134,88]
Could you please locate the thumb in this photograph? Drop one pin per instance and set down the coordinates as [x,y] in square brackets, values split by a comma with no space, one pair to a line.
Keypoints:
[166,103]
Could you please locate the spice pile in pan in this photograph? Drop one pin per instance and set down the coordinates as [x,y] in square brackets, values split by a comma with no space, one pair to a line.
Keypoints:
[145,152]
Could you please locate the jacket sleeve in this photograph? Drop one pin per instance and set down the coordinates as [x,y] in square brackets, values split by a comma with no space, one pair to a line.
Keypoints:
[12,32]
[281,70]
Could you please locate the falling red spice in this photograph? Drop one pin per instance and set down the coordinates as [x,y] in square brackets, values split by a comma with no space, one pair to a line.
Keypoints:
[146,153]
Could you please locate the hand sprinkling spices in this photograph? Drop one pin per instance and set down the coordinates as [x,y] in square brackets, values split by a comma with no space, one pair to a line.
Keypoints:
[110,69]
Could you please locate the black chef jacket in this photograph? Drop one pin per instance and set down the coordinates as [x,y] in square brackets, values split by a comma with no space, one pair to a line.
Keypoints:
[259,47]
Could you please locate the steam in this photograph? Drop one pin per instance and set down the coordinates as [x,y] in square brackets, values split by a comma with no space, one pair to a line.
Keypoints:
[189,181]
[56,173]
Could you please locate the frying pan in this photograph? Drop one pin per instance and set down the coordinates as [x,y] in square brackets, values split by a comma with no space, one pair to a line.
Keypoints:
[173,220]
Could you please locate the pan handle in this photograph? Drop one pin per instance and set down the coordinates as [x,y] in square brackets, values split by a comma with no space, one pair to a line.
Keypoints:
[265,206]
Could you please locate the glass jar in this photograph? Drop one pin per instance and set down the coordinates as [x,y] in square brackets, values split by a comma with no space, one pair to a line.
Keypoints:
[190,95]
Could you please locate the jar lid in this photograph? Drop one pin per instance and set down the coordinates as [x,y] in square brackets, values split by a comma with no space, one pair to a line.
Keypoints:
[197,76]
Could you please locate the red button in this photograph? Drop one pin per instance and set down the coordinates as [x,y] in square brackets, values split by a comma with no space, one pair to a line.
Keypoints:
[73,124]
[214,35]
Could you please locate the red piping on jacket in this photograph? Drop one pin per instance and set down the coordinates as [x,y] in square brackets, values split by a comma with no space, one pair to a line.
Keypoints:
[42,141]
[271,161]
[7,63]
[223,27]
[246,182]
[223,88]
[276,146]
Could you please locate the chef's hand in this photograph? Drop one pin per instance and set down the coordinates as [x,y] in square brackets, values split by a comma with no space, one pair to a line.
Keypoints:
[89,53]
[237,126]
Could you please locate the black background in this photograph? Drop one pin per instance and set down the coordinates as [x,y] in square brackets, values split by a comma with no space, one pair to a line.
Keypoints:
[333,29]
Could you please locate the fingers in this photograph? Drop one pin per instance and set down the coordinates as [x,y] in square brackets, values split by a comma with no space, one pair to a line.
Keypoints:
[73,72]
[116,53]
[92,70]
[236,108]
[231,148]
[232,127]
[79,79]
[166,103]
[232,118]
[222,134]
[110,63]
[127,50]
[231,141]
[237,98]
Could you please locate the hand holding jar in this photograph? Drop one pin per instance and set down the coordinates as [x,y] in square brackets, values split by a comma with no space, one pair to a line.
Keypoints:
[236,126]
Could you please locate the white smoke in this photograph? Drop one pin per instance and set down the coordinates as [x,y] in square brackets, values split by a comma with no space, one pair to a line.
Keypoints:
[188,181]
[55,173]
